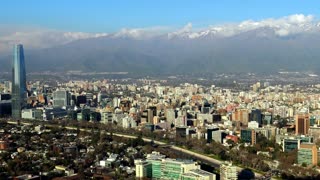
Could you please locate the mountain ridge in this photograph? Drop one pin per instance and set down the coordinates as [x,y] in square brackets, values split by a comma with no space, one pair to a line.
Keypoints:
[257,50]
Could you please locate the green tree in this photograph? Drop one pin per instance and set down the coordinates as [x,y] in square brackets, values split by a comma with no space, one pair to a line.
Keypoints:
[137,141]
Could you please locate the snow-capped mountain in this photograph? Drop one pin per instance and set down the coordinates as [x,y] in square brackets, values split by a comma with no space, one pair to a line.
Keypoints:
[288,43]
[285,26]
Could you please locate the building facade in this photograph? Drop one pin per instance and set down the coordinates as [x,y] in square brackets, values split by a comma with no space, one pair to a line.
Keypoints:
[228,172]
[156,166]
[248,136]
[308,154]
[302,124]
[290,144]
[256,115]
[241,115]
[61,98]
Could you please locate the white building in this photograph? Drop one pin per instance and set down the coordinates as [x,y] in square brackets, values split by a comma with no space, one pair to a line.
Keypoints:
[253,124]
[228,172]
[27,114]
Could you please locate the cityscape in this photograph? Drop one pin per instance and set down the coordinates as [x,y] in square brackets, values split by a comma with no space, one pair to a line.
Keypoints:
[135,105]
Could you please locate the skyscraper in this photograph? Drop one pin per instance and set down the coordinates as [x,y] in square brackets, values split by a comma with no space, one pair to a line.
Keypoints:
[19,90]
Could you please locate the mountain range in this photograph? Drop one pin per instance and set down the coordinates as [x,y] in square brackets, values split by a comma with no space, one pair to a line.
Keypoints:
[258,47]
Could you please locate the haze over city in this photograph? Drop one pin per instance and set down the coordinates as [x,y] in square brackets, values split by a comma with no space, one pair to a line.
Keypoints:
[186,90]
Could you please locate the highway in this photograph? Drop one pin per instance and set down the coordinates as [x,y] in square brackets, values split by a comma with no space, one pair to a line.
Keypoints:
[214,162]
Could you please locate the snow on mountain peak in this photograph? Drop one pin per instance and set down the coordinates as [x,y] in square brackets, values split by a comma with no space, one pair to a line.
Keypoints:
[284,26]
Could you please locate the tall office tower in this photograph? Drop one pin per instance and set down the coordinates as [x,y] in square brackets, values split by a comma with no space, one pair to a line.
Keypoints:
[302,123]
[19,90]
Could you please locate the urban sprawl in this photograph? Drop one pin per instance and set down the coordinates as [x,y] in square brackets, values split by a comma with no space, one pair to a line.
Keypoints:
[148,129]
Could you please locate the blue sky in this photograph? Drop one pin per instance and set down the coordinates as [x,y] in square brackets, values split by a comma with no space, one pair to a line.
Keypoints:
[113,15]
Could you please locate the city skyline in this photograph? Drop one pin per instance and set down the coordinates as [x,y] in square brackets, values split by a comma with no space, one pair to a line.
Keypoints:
[184,90]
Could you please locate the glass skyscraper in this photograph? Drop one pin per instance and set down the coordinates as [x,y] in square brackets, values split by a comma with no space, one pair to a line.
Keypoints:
[19,90]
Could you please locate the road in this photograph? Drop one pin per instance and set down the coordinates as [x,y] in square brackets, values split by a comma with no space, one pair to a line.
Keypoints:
[201,157]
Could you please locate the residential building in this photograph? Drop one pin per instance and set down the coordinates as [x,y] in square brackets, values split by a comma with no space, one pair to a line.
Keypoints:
[256,115]
[241,115]
[248,136]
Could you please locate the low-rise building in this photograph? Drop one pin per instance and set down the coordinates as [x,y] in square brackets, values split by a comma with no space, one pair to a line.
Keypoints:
[228,172]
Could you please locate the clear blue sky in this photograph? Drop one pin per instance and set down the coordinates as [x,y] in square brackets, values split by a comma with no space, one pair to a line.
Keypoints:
[112,15]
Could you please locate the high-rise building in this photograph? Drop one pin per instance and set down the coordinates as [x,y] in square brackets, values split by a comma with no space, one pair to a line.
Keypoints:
[148,114]
[248,135]
[241,115]
[19,90]
[302,124]
[61,98]
[170,115]
[256,115]
[218,136]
